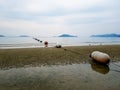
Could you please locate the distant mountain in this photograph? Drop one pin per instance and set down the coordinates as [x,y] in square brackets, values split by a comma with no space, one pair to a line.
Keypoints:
[24,36]
[66,35]
[2,36]
[107,35]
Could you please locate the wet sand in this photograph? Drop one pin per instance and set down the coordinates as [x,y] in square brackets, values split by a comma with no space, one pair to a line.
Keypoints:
[66,68]
[54,56]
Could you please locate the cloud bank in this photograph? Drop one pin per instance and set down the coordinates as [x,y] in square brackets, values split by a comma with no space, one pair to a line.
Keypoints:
[53,17]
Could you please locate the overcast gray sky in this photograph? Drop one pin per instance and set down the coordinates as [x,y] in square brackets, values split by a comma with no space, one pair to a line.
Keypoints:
[54,17]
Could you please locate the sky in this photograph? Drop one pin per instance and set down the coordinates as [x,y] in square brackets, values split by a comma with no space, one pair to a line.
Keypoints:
[55,17]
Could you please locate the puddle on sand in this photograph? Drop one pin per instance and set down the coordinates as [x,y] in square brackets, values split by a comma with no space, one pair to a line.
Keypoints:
[61,77]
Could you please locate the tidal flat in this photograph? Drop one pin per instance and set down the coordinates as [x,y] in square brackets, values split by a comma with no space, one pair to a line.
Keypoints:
[66,68]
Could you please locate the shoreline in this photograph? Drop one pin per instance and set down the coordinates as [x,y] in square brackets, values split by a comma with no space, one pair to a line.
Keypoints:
[54,56]
[19,46]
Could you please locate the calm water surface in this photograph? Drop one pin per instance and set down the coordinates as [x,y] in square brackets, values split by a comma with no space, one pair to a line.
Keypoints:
[26,42]
[89,76]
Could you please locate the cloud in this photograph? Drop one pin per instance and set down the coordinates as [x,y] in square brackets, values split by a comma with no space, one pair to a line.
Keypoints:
[49,5]
[43,6]
[63,16]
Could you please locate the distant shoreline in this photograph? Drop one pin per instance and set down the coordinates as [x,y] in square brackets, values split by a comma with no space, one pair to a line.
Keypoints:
[107,35]
[20,46]
[29,42]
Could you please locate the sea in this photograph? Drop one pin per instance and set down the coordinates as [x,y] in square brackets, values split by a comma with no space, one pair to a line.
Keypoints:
[30,42]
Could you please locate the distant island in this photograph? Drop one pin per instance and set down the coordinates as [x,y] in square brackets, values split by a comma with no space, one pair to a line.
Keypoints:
[24,36]
[66,35]
[106,35]
[2,36]
[15,36]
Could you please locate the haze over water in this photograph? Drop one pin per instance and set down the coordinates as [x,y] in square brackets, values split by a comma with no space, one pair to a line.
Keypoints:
[24,42]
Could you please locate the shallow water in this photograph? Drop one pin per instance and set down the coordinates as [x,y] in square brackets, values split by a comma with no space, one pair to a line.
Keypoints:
[62,77]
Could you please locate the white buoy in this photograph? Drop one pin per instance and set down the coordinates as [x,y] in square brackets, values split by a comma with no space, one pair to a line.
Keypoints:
[100,57]
[58,45]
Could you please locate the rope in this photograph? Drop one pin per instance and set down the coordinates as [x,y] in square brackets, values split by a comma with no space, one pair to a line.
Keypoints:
[89,51]
[79,54]
[71,51]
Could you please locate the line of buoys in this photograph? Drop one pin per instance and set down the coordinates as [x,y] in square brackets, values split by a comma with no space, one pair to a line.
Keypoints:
[100,57]
[37,40]
[58,45]
[45,42]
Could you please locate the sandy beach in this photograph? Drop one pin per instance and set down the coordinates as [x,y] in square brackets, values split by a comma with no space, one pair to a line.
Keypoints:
[54,56]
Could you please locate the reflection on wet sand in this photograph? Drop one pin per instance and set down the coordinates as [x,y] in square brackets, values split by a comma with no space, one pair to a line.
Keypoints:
[60,77]
[103,69]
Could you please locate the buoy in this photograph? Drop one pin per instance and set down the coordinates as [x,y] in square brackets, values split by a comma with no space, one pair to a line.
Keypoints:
[40,41]
[100,57]
[37,40]
[58,45]
[46,44]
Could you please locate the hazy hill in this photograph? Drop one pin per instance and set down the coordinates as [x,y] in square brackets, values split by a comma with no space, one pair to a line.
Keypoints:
[23,36]
[2,36]
[107,35]
[66,35]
